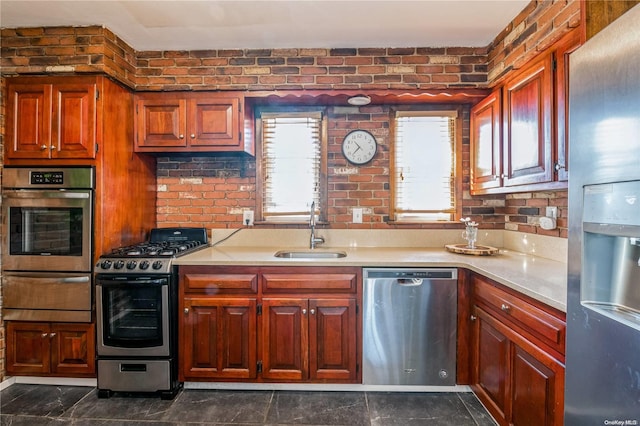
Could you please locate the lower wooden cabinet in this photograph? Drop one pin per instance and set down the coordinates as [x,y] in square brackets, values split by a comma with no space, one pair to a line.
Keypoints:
[55,349]
[309,339]
[518,379]
[269,324]
[219,338]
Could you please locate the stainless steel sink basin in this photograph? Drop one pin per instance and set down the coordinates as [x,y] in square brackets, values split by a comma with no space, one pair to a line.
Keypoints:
[304,254]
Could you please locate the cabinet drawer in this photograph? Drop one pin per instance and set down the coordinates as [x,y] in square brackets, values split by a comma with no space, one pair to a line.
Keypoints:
[533,320]
[220,283]
[315,283]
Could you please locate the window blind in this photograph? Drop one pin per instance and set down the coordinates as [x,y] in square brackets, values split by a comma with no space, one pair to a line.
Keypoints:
[425,166]
[291,161]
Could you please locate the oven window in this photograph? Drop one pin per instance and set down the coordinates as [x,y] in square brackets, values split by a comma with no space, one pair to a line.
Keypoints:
[54,231]
[132,315]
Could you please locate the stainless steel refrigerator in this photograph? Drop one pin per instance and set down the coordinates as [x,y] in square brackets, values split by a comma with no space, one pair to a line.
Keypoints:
[603,299]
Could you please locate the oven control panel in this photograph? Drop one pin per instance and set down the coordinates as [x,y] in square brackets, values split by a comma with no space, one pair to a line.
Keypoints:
[124,266]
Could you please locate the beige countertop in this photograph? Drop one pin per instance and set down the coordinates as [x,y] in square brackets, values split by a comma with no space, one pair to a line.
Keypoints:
[540,278]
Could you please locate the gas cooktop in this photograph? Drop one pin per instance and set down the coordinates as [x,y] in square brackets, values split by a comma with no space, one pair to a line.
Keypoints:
[153,256]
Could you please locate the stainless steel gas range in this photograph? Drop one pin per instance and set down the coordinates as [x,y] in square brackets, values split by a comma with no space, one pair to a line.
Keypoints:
[136,305]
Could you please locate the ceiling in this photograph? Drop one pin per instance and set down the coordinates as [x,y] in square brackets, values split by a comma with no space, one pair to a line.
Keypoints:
[242,24]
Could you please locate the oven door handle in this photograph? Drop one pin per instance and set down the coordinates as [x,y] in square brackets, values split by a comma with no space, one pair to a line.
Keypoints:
[108,282]
[48,277]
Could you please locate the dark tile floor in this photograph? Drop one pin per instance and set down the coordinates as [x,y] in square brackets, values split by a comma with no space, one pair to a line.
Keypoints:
[35,405]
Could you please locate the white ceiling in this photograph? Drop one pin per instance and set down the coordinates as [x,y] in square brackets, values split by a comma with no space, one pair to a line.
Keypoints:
[193,25]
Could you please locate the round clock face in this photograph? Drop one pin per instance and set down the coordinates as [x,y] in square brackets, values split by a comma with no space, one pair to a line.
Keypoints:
[359,147]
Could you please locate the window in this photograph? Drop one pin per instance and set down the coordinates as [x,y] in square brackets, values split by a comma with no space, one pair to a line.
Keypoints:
[293,165]
[425,187]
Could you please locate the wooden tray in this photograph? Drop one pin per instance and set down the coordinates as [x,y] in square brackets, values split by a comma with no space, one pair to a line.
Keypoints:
[477,251]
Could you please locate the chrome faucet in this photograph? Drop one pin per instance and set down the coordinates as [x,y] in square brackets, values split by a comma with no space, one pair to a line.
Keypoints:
[313,241]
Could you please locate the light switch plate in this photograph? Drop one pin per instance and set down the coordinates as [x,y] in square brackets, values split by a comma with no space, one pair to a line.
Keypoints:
[551,212]
[357,215]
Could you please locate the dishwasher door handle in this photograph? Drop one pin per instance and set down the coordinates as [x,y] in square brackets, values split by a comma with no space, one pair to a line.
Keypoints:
[409,282]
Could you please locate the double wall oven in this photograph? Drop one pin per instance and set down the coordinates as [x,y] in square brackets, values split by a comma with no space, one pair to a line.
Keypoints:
[136,308]
[47,216]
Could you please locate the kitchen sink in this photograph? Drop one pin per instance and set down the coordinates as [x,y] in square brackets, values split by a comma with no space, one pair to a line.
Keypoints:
[308,254]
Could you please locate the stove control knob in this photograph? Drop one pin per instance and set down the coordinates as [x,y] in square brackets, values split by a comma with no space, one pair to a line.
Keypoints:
[119,264]
[132,264]
[105,264]
[144,265]
[157,264]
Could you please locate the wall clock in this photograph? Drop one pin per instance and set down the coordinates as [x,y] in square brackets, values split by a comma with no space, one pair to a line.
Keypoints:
[359,147]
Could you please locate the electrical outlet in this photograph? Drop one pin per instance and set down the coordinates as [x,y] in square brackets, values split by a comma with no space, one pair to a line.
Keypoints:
[551,212]
[247,217]
[357,215]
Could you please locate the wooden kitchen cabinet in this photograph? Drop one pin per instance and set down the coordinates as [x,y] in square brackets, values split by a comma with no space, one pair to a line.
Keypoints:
[52,119]
[527,148]
[190,122]
[527,124]
[486,137]
[54,349]
[269,324]
[517,356]
[312,339]
[219,338]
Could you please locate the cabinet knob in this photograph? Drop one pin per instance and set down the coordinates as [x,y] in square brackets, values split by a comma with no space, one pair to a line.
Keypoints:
[558,166]
[312,311]
[186,310]
[495,177]
[503,176]
[52,335]
[43,147]
[52,147]
[473,317]
[304,312]
[181,136]
[505,307]
[44,335]
[193,136]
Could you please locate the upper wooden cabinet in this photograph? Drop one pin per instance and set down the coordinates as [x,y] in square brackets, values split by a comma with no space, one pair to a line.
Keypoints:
[52,118]
[486,142]
[190,122]
[527,148]
[527,124]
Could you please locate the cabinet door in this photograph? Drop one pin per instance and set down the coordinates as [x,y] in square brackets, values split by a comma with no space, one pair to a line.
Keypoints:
[74,121]
[29,121]
[332,339]
[214,122]
[73,349]
[490,364]
[566,46]
[527,157]
[219,338]
[160,123]
[285,339]
[537,391]
[28,348]
[486,143]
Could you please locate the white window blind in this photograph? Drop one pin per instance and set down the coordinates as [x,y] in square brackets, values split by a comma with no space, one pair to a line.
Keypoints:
[424,155]
[291,164]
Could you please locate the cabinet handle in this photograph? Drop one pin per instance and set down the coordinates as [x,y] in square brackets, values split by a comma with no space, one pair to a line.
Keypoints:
[43,147]
[52,335]
[193,136]
[558,166]
[52,147]
[44,335]
[505,307]
[473,317]
[503,176]
[186,310]
[313,312]
[181,136]
[304,312]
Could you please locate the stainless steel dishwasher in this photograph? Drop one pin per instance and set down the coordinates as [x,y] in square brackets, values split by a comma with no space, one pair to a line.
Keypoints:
[409,326]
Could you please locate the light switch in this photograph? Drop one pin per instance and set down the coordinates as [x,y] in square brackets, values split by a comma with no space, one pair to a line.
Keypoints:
[357,215]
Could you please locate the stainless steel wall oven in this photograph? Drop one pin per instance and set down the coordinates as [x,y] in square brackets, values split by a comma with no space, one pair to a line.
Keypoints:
[47,220]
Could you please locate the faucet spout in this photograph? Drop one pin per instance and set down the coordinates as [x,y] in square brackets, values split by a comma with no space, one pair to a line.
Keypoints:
[313,240]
